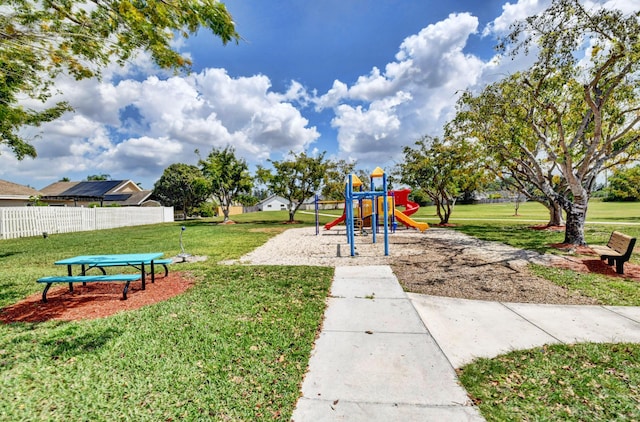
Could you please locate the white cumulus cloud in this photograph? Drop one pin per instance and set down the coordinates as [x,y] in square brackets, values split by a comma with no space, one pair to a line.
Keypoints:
[136,128]
[414,95]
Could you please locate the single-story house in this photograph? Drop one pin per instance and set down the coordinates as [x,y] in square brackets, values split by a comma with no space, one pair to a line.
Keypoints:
[15,195]
[123,193]
[273,203]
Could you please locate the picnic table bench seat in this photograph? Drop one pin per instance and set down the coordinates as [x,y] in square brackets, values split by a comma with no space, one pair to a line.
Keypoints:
[617,251]
[127,278]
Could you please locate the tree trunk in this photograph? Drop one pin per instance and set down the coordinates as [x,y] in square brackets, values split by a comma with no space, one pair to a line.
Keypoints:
[444,218]
[555,214]
[439,208]
[574,229]
[225,212]
[225,204]
[292,210]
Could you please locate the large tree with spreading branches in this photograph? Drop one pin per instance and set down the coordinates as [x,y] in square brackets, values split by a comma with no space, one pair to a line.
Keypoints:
[41,39]
[443,170]
[574,113]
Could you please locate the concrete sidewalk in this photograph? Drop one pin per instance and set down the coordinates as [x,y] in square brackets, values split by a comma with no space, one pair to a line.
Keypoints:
[468,329]
[375,360]
[385,355]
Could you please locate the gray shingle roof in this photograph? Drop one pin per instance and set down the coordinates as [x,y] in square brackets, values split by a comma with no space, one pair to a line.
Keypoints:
[13,189]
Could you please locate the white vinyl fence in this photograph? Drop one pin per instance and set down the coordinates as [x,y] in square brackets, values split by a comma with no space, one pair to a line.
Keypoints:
[35,221]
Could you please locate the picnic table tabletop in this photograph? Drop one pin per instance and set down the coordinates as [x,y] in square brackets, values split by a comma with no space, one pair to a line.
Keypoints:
[124,259]
[136,260]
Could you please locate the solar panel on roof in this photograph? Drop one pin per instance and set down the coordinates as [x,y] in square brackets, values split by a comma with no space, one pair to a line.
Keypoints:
[117,197]
[92,188]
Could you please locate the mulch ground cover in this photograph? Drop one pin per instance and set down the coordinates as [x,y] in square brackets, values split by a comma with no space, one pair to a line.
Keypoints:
[95,300]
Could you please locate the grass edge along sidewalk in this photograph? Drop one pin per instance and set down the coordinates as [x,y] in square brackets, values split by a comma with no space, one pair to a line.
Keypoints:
[586,381]
[575,382]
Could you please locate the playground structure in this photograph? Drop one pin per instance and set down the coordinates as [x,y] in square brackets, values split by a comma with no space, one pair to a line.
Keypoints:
[398,198]
[363,209]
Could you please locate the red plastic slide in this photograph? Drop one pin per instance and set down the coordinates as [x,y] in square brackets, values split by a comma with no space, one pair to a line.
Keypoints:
[336,221]
[401,198]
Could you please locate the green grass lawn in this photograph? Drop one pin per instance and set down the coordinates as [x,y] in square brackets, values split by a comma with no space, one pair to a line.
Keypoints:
[582,382]
[533,212]
[233,347]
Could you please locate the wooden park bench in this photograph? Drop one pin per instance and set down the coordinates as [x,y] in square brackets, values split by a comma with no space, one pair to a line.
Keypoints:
[127,278]
[618,250]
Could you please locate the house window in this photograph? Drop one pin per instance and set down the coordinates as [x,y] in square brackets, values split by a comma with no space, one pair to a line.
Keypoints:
[269,206]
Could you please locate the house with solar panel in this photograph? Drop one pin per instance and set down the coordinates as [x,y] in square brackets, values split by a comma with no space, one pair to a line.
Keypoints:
[103,193]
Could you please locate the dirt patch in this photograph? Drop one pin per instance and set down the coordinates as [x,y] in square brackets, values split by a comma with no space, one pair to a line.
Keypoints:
[474,269]
[95,300]
[448,268]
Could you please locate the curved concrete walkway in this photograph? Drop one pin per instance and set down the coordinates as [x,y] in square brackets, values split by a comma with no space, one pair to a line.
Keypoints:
[385,355]
[468,329]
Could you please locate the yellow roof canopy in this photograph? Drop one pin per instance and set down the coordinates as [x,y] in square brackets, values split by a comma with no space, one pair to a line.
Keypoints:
[355,181]
[377,172]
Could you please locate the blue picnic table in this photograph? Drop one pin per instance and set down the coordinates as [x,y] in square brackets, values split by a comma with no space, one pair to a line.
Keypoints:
[87,262]
[136,260]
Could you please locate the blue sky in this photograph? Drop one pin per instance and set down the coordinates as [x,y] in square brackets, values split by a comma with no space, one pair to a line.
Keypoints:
[359,79]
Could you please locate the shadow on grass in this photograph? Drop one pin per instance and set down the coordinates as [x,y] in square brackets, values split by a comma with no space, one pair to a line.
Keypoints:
[519,236]
[74,341]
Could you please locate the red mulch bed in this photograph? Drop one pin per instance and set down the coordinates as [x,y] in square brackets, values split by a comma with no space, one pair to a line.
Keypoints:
[591,263]
[95,300]
[596,265]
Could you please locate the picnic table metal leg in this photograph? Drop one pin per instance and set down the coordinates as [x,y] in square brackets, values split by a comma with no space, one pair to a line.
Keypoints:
[153,272]
[143,275]
[166,270]
[44,293]
[69,273]
[124,292]
[84,272]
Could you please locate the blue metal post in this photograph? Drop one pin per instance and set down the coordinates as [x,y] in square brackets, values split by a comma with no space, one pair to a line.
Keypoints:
[350,220]
[317,217]
[386,214]
[374,206]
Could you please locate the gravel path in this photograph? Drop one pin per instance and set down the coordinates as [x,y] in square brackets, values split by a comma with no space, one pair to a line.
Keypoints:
[301,246]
